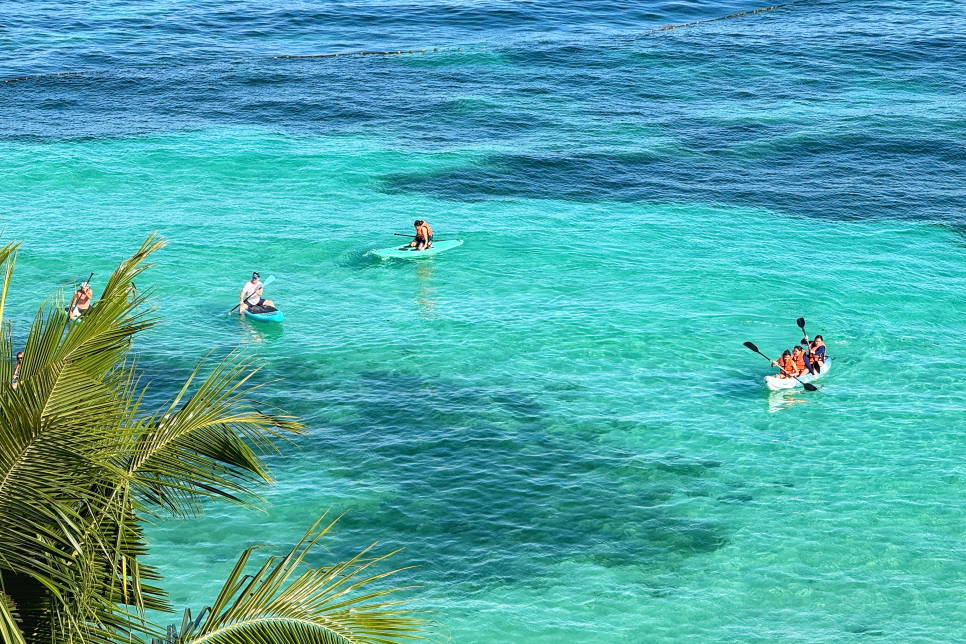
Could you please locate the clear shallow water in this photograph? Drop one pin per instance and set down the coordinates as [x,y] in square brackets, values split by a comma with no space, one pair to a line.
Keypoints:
[557,421]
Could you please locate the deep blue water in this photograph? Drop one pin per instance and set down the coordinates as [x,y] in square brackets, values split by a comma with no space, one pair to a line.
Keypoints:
[827,109]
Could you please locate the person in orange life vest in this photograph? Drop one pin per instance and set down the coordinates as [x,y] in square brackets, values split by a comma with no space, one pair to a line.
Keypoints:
[424,236]
[784,363]
[792,363]
[798,359]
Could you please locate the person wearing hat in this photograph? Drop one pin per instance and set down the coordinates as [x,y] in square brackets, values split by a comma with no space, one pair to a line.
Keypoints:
[81,301]
[251,295]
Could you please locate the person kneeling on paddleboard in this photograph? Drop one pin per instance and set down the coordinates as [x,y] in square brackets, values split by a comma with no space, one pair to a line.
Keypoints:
[424,236]
[251,297]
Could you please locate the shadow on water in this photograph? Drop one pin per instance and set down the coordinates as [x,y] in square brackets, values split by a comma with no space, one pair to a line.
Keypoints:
[483,494]
[770,178]
[249,331]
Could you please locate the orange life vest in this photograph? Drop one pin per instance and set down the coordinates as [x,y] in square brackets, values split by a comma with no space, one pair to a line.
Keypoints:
[787,365]
[798,363]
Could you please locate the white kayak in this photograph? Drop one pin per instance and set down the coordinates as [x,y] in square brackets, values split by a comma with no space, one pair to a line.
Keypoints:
[405,252]
[775,383]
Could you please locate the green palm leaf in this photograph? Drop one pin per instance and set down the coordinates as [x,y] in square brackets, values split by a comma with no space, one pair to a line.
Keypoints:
[330,605]
[206,444]
[10,632]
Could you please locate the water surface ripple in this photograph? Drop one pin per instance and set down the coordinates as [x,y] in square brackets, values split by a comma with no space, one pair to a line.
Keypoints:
[557,422]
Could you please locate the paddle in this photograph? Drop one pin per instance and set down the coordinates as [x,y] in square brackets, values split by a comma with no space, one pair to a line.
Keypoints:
[401,235]
[808,386]
[801,325]
[268,280]
[414,237]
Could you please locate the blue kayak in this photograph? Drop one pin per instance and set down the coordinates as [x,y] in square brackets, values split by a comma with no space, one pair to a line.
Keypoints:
[274,316]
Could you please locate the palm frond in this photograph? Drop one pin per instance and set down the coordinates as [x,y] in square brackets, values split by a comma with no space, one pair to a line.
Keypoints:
[64,529]
[48,462]
[10,632]
[206,443]
[119,284]
[8,257]
[320,606]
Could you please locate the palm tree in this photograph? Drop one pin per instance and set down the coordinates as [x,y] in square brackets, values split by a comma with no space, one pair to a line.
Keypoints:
[83,466]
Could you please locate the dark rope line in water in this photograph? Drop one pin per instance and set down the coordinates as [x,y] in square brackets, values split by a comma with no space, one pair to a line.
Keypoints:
[647,33]
[734,15]
[365,53]
[361,53]
[436,49]
[13,80]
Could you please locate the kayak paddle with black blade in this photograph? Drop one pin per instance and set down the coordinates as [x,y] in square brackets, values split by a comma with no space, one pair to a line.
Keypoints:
[808,386]
[801,325]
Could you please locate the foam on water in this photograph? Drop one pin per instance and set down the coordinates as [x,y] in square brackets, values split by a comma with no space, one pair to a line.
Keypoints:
[557,420]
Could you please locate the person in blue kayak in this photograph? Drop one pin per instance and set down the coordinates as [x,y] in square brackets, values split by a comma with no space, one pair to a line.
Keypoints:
[424,236]
[815,356]
[251,296]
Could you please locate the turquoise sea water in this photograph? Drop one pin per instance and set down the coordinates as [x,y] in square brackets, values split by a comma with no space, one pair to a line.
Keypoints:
[557,421]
